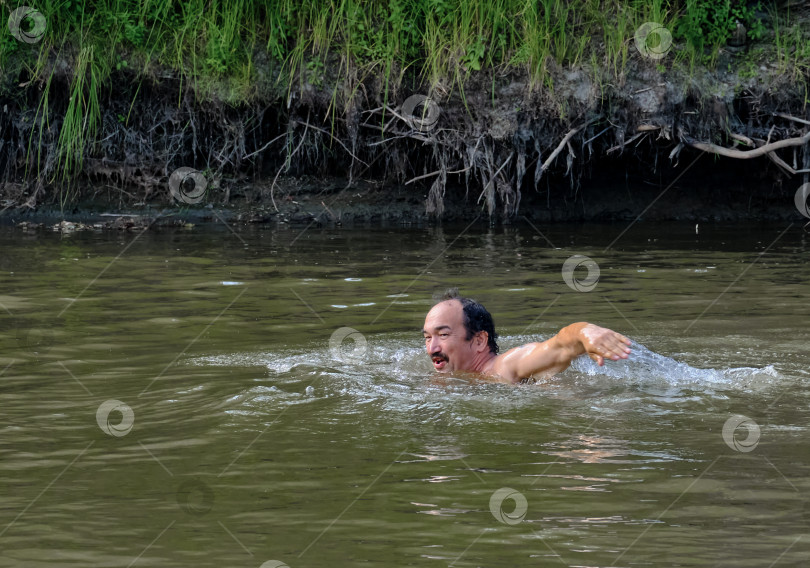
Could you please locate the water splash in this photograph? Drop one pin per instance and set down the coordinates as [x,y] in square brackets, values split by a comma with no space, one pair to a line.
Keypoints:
[646,365]
[389,360]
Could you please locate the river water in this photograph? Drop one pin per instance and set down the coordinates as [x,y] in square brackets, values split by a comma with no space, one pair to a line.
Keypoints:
[183,398]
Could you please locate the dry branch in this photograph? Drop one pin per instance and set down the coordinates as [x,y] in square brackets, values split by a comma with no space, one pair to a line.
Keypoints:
[625,143]
[748,154]
[793,118]
[263,148]
[559,148]
[437,172]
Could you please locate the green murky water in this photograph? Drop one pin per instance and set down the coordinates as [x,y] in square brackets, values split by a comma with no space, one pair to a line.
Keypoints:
[172,399]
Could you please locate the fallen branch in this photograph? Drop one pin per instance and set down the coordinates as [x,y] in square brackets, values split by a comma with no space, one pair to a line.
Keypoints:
[263,148]
[793,118]
[748,154]
[779,161]
[625,143]
[437,172]
[563,144]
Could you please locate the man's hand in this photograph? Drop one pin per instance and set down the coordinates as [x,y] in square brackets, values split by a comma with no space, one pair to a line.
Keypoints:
[554,355]
[601,343]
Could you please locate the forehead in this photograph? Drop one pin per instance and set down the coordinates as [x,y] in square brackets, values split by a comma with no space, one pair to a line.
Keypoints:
[447,313]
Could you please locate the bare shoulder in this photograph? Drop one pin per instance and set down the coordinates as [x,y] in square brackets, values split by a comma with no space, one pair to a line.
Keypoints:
[505,365]
[537,360]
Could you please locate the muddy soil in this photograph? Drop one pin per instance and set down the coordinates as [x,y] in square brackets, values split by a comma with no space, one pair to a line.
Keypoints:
[647,146]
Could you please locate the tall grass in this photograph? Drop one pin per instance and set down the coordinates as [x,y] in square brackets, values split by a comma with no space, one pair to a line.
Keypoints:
[792,46]
[213,45]
[81,119]
[205,41]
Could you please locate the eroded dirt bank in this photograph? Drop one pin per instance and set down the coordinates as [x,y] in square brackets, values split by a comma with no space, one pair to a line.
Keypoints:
[662,143]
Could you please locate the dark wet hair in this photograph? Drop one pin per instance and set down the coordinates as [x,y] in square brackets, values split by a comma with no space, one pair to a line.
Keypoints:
[476,317]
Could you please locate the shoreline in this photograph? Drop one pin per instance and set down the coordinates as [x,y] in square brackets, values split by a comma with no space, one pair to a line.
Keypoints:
[333,202]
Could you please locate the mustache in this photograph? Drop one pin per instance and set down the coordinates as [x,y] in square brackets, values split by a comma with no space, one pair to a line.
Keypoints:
[439,355]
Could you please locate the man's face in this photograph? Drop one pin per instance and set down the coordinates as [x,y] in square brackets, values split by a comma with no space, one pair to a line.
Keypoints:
[446,338]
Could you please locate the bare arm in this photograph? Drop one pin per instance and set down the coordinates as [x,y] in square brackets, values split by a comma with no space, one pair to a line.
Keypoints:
[555,355]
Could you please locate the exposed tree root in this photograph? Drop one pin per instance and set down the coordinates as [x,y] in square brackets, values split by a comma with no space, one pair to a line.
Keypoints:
[565,142]
[763,148]
[485,143]
[748,154]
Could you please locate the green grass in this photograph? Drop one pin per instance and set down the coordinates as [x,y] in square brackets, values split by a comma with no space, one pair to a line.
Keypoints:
[207,40]
[792,46]
[212,46]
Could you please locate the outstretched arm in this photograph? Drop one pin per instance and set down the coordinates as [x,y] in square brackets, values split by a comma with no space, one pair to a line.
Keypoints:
[555,355]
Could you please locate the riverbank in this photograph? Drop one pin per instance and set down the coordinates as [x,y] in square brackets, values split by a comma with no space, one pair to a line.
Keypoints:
[591,125]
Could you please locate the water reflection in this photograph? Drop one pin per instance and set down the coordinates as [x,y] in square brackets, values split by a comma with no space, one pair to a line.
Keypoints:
[603,449]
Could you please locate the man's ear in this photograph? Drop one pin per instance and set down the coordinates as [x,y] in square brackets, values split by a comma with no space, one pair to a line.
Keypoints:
[481,339]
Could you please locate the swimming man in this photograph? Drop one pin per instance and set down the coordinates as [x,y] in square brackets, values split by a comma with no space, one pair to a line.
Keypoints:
[460,336]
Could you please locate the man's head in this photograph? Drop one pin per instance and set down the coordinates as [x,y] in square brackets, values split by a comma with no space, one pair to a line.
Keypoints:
[459,333]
